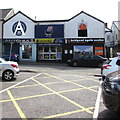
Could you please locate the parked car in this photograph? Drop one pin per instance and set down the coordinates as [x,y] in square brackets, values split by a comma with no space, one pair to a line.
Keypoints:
[8,69]
[110,66]
[87,60]
[14,57]
[111,91]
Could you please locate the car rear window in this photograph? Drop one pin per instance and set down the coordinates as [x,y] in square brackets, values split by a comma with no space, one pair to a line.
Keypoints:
[118,62]
[107,62]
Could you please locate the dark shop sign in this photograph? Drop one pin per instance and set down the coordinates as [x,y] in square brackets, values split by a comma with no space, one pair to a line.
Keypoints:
[18,41]
[86,40]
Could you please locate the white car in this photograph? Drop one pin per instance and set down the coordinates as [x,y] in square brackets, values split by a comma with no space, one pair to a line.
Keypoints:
[8,69]
[110,66]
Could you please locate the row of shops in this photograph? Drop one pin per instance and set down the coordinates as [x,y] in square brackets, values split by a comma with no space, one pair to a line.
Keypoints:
[53,40]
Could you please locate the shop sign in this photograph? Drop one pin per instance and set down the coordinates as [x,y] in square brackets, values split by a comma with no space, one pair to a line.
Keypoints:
[19,28]
[43,44]
[18,41]
[94,40]
[49,31]
[49,40]
[44,40]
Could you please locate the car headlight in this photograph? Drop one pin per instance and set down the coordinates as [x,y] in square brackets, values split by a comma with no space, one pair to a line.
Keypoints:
[112,87]
[69,60]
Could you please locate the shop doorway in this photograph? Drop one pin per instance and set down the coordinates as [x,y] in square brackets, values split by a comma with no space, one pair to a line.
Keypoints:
[27,52]
[49,53]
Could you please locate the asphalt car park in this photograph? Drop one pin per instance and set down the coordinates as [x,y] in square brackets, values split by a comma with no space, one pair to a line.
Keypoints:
[50,91]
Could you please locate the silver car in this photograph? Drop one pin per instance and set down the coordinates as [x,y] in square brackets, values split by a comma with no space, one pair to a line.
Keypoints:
[8,69]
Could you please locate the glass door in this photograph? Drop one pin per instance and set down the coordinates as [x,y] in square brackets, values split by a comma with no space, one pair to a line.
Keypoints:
[49,53]
[26,51]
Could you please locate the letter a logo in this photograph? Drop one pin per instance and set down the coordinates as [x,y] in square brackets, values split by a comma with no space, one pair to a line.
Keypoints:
[19,28]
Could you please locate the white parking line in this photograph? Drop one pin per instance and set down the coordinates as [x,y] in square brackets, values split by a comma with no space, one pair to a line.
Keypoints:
[19,83]
[97,104]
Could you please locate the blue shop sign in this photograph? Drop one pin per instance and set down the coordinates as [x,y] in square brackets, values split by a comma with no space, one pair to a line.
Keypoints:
[49,31]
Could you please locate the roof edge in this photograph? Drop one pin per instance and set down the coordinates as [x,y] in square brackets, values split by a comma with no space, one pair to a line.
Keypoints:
[18,13]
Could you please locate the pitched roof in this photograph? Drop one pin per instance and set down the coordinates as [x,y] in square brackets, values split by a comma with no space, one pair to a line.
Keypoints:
[72,18]
[20,13]
[117,24]
[86,14]
[4,12]
[58,20]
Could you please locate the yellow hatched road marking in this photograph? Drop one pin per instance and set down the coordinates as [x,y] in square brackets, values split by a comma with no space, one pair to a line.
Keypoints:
[26,86]
[71,82]
[76,104]
[46,94]
[67,113]
[16,105]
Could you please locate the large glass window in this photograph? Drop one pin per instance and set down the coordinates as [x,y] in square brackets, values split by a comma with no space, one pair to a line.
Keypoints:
[49,53]
[26,51]
[80,50]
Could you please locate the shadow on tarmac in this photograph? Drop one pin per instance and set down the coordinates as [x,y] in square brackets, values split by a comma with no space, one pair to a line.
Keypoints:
[108,115]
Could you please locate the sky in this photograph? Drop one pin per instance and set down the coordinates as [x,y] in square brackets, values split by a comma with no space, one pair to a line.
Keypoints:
[105,10]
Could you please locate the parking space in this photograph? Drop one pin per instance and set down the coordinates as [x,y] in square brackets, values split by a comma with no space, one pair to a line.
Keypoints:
[58,94]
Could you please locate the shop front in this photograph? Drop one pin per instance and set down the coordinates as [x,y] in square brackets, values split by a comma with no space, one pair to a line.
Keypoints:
[18,37]
[81,46]
[49,40]
[49,49]
[25,48]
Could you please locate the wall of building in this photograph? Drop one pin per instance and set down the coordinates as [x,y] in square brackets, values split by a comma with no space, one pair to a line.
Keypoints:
[8,27]
[94,27]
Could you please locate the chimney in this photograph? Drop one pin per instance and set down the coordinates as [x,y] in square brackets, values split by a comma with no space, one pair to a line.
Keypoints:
[106,25]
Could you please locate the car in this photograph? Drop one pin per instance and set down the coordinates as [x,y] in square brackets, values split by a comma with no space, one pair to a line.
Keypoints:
[14,57]
[87,60]
[111,91]
[8,69]
[110,66]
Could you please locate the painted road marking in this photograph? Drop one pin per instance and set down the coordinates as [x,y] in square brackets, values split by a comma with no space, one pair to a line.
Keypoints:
[70,82]
[97,104]
[53,92]
[67,113]
[19,83]
[28,97]
[76,104]
[48,83]
[16,105]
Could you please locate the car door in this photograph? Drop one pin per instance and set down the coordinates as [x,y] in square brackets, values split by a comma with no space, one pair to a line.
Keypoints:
[86,60]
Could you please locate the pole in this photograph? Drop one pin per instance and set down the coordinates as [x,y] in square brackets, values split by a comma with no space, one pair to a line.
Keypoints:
[10,51]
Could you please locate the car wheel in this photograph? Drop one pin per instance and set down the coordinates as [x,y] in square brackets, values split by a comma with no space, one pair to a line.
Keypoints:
[75,64]
[8,75]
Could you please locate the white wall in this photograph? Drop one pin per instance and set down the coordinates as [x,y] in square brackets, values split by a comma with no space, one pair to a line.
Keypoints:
[8,33]
[95,28]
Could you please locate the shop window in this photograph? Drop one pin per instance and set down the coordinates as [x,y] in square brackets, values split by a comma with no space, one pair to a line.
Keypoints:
[53,49]
[82,30]
[26,51]
[46,49]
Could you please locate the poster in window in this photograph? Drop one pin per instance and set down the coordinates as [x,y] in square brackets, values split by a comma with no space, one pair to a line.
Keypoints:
[98,50]
[82,30]
[80,50]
